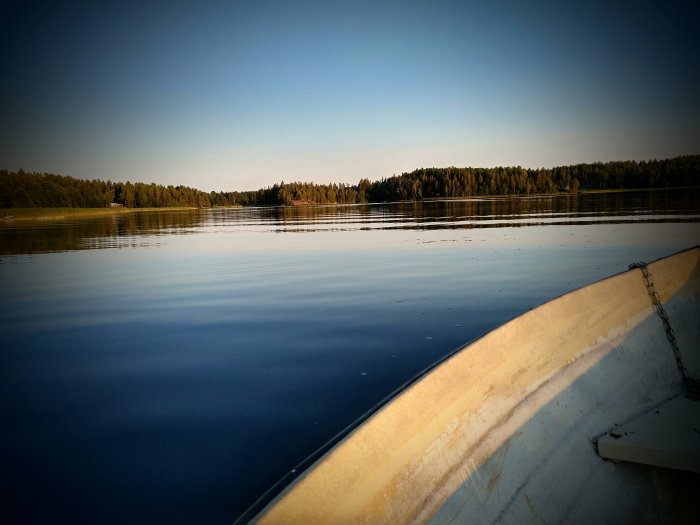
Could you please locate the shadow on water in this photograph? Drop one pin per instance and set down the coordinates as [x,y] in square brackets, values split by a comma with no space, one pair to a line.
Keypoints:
[81,233]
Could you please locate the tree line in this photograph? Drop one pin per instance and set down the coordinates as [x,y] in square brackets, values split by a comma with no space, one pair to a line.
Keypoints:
[470,182]
[22,189]
[45,190]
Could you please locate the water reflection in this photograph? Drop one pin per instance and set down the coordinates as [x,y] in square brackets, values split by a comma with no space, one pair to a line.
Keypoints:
[487,212]
[143,228]
[178,384]
[80,233]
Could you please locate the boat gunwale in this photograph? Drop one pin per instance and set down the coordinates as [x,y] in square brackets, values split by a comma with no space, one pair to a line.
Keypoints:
[287,481]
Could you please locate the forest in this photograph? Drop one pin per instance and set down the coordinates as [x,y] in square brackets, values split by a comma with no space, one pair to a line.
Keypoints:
[28,190]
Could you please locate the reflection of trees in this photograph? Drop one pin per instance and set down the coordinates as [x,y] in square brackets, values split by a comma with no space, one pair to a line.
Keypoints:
[310,214]
[619,203]
[17,237]
[24,237]
[485,212]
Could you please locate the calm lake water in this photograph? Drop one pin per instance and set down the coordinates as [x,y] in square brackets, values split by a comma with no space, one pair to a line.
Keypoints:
[172,366]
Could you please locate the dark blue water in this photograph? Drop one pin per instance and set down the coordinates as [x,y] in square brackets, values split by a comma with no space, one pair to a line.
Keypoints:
[170,367]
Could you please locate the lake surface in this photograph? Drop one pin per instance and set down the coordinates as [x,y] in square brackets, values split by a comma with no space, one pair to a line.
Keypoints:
[172,366]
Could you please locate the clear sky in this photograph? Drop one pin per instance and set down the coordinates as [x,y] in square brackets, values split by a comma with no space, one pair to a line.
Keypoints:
[240,95]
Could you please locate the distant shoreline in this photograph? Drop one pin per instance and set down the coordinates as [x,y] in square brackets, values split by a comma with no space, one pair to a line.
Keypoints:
[9,214]
[27,190]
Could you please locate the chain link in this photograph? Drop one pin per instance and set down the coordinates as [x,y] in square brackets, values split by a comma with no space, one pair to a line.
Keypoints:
[691,386]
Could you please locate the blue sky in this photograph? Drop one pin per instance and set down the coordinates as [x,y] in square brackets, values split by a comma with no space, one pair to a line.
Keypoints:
[240,95]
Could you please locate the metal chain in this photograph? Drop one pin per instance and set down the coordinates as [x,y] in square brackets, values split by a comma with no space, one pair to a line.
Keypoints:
[656,301]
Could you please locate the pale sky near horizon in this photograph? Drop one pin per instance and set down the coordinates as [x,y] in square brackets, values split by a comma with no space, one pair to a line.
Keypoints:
[240,95]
